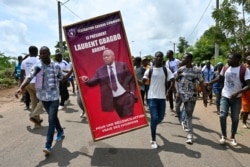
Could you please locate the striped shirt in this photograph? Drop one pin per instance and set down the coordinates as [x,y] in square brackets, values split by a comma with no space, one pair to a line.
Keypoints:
[47,80]
[188,78]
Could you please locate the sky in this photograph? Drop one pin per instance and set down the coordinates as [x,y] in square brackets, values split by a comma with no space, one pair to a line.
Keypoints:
[150,25]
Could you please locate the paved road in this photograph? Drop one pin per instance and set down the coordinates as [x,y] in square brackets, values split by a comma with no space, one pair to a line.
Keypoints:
[21,145]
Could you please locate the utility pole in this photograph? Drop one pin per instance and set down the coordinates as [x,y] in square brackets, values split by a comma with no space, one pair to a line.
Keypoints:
[59,3]
[174,47]
[216,45]
[60,27]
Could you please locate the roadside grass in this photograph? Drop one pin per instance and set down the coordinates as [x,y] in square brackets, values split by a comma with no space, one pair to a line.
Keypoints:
[6,78]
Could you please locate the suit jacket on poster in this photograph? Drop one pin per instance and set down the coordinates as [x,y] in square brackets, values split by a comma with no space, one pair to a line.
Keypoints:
[101,77]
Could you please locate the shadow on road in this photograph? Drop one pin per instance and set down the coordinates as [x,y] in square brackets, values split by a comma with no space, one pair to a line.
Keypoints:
[61,156]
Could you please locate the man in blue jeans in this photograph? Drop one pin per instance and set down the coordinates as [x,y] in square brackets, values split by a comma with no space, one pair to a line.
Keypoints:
[48,75]
[231,95]
[157,93]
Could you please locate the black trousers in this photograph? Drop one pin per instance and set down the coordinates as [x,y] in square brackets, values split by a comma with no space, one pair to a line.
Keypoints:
[170,97]
[64,93]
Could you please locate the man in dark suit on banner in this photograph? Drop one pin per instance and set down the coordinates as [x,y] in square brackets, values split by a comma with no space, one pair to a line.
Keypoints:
[117,85]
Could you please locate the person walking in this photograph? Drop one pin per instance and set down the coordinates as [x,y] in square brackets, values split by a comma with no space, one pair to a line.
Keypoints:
[245,107]
[158,76]
[186,93]
[26,67]
[234,75]
[173,64]
[139,71]
[72,77]
[208,73]
[48,74]
[17,71]
[63,86]
[217,87]
[145,65]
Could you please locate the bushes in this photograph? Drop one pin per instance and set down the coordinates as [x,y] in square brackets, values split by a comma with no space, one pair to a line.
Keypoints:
[6,78]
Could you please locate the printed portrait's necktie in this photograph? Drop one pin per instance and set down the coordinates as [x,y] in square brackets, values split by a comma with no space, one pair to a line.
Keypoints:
[112,78]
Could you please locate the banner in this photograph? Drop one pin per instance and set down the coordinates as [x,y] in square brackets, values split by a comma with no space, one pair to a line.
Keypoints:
[105,75]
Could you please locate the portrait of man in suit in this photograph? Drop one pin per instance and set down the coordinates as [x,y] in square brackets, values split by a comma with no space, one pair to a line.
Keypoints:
[117,85]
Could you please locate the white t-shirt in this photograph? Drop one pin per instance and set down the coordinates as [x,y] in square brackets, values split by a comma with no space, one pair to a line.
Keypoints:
[27,64]
[232,83]
[157,89]
[173,65]
[64,66]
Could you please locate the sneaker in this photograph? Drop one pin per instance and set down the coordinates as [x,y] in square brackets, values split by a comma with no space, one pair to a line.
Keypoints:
[47,151]
[233,142]
[222,140]
[35,121]
[245,126]
[189,141]
[154,144]
[82,115]
[60,136]
[60,107]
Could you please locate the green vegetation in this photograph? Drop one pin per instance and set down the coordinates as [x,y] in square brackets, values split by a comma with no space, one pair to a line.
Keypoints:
[6,71]
[231,33]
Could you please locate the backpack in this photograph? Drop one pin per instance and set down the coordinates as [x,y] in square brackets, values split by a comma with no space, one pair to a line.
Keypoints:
[242,73]
[166,76]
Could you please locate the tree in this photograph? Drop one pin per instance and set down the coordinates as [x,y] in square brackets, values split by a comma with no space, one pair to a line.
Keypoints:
[232,25]
[182,45]
[4,61]
[65,48]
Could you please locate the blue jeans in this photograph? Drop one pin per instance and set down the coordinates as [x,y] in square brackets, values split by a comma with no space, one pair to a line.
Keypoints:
[183,114]
[51,108]
[180,110]
[157,109]
[235,106]
[218,97]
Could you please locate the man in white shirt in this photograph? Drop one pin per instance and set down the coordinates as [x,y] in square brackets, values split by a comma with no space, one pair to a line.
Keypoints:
[157,93]
[26,67]
[172,64]
[63,86]
[231,95]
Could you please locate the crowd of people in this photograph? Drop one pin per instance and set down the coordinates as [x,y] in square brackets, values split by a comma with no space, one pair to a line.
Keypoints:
[229,84]
[180,82]
[42,79]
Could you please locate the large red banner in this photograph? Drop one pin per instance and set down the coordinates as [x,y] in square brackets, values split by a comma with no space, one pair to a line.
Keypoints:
[105,75]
